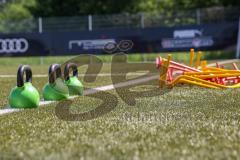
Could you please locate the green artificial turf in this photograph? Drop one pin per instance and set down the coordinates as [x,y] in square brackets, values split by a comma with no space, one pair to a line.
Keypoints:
[187,122]
[182,123]
[40,65]
[135,57]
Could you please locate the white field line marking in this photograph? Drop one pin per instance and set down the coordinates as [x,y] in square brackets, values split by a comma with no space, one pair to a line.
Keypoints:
[224,62]
[109,74]
[87,92]
[80,75]
[106,88]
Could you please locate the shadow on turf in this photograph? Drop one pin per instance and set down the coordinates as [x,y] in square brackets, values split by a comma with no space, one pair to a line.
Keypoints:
[119,66]
[110,101]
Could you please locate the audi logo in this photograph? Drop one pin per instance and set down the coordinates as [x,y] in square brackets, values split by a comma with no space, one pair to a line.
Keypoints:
[15,45]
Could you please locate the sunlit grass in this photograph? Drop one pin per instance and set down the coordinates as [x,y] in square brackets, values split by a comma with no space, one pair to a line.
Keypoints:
[182,123]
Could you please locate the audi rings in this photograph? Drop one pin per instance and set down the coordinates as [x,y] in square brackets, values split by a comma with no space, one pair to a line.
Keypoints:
[14,45]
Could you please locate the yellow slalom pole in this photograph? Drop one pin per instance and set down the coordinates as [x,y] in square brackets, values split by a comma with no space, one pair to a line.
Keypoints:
[162,74]
[163,71]
[191,57]
[197,81]
[234,86]
[198,84]
[219,75]
[199,55]
[212,72]
[204,65]
[215,69]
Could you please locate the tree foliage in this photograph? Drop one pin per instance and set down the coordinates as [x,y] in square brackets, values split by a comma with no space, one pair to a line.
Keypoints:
[12,14]
[19,9]
[26,8]
[81,7]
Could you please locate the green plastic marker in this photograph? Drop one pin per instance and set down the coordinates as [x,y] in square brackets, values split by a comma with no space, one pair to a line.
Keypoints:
[24,95]
[75,87]
[55,89]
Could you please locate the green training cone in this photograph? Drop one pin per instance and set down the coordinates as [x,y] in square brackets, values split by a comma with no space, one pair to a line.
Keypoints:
[55,89]
[74,85]
[24,95]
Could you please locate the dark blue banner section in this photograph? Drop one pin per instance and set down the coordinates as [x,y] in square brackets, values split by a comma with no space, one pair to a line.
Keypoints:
[160,39]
